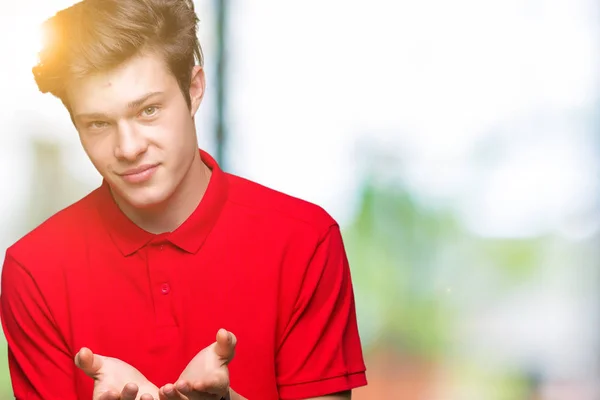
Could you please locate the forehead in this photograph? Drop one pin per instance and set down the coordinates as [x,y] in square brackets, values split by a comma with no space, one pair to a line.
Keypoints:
[111,91]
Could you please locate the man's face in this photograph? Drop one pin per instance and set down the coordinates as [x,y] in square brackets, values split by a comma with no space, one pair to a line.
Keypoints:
[137,129]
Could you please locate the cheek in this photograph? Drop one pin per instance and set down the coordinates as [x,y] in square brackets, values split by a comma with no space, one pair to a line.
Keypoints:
[177,133]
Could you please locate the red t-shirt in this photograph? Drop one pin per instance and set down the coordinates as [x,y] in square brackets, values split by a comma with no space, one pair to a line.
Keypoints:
[268,267]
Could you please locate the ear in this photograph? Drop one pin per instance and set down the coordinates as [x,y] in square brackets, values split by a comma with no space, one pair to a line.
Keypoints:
[197,87]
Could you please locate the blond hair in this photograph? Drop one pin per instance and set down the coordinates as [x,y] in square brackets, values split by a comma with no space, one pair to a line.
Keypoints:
[99,35]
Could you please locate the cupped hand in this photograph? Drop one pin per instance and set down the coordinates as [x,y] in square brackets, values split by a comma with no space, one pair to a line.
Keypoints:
[206,377]
[114,379]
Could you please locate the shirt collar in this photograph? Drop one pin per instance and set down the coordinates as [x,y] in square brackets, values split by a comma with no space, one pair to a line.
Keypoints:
[189,236]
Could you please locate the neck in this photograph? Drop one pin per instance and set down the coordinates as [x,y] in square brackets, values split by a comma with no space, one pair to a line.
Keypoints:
[170,214]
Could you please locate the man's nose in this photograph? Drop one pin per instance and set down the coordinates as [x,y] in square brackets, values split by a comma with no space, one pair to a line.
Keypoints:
[131,143]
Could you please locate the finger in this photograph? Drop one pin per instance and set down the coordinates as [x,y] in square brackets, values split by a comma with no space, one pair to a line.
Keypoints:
[89,362]
[183,387]
[111,395]
[129,392]
[226,342]
[218,384]
[147,396]
[170,392]
[161,394]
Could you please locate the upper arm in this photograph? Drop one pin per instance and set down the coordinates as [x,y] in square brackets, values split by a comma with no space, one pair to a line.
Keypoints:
[320,351]
[39,361]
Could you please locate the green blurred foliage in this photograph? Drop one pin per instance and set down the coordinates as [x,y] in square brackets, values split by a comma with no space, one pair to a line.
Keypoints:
[518,259]
[417,271]
[394,247]
[5,386]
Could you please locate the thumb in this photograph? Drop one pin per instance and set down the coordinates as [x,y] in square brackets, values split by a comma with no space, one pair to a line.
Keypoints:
[89,362]
[225,346]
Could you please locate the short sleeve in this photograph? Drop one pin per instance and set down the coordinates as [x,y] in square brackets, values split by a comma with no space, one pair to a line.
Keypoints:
[320,352]
[39,362]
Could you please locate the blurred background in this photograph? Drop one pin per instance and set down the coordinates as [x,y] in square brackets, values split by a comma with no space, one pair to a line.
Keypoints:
[456,142]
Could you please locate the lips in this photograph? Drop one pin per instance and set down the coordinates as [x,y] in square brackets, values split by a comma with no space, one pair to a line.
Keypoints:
[138,170]
[140,174]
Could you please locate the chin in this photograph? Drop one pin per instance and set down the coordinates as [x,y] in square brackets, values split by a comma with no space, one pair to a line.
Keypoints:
[146,197]
[149,201]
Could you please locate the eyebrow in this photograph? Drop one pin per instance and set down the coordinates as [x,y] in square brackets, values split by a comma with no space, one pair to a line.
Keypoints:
[131,105]
[138,103]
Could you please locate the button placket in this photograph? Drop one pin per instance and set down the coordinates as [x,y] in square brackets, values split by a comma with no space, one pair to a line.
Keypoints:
[159,267]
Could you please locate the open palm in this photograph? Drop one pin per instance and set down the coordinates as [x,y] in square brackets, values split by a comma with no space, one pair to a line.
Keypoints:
[206,377]
[114,379]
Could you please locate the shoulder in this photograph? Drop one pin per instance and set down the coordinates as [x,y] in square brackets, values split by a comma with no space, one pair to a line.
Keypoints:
[51,240]
[275,208]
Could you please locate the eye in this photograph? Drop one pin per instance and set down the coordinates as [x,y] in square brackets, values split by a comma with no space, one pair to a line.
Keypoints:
[149,111]
[97,124]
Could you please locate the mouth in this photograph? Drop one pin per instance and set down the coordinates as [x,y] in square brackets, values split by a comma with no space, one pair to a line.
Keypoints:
[139,174]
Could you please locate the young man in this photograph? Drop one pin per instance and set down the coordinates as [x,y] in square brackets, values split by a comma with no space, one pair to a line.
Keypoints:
[136,291]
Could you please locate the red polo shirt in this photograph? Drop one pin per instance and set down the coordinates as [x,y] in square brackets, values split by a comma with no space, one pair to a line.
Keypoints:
[268,267]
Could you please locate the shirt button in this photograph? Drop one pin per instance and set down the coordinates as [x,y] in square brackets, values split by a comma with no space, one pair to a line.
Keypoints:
[165,288]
